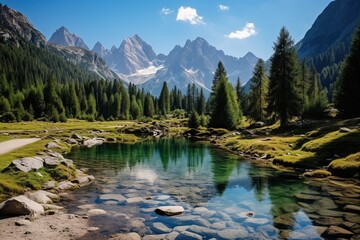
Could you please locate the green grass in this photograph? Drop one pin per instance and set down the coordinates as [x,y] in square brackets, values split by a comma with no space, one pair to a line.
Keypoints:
[346,167]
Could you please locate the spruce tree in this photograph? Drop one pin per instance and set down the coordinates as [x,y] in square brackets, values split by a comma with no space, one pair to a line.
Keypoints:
[149,109]
[347,91]
[125,103]
[225,111]
[164,100]
[241,94]
[201,103]
[194,120]
[220,70]
[134,108]
[258,92]
[283,96]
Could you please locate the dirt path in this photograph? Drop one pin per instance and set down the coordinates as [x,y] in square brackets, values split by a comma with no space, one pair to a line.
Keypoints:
[8,146]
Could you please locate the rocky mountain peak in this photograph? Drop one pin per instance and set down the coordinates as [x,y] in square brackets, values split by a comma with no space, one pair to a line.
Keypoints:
[63,37]
[16,27]
[100,50]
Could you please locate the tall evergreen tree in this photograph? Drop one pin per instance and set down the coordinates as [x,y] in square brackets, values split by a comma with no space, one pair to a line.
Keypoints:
[164,100]
[347,91]
[258,92]
[317,96]
[201,103]
[220,70]
[149,109]
[91,106]
[125,103]
[241,94]
[225,111]
[283,97]
[134,108]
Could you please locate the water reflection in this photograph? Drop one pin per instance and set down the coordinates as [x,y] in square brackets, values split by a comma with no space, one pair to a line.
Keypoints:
[192,174]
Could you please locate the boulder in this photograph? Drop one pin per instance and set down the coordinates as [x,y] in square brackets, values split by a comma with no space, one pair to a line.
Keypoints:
[20,205]
[169,210]
[49,185]
[51,161]
[72,141]
[52,145]
[93,142]
[76,136]
[42,197]
[95,212]
[55,154]
[239,232]
[28,164]
[82,180]
[116,197]
[66,185]
[254,222]
[334,232]
[160,227]
[344,130]
[125,236]
[189,236]
[68,163]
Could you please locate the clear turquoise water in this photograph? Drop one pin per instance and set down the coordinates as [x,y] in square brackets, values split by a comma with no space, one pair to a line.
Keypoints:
[216,189]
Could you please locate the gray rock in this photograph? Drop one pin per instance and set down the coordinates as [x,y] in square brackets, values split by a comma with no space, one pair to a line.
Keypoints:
[181,228]
[162,197]
[28,164]
[288,234]
[49,185]
[136,224]
[76,136]
[134,200]
[169,210]
[42,197]
[154,237]
[51,207]
[283,221]
[126,236]
[21,205]
[185,235]
[51,161]
[116,197]
[82,180]
[160,227]
[51,145]
[93,142]
[334,232]
[172,236]
[68,163]
[202,230]
[259,124]
[22,222]
[239,232]
[254,222]
[95,212]
[72,141]
[219,225]
[55,154]
[66,185]
[200,210]
[344,130]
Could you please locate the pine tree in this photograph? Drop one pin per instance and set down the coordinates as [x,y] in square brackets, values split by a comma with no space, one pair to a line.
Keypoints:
[347,91]
[194,120]
[164,100]
[225,111]
[149,109]
[4,105]
[220,70]
[283,97]
[134,108]
[317,96]
[304,85]
[91,106]
[201,103]
[258,92]
[125,103]
[241,94]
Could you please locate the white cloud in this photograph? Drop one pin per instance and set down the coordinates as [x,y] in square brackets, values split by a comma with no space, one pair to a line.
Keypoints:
[247,31]
[223,7]
[188,14]
[166,11]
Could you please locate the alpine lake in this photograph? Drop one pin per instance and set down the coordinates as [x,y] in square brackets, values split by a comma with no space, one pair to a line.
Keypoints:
[224,196]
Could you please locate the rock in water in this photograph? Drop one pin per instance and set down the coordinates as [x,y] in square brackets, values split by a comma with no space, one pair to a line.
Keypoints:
[334,232]
[20,205]
[93,142]
[169,210]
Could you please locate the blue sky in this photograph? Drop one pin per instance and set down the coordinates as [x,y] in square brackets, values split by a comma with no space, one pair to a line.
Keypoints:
[235,26]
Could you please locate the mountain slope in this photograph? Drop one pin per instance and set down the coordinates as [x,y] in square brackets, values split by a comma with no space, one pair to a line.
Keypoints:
[63,37]
[100,50]
[328,41]
[14,27]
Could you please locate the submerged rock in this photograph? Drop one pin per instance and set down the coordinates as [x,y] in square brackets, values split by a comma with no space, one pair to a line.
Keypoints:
[160,227]
[125,236]
[93,142]
[334,232]
[239,232]
[189,236]
[95,212]
[169,210]
[21,205]
[352,208]
[116,197]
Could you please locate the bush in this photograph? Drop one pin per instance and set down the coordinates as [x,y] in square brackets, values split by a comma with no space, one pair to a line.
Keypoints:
[8,117]
[62,117]
[54,115]
[204,120]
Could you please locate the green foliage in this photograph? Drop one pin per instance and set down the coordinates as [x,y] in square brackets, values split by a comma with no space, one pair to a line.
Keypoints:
[284,95]
[258,92]
[225,111]
[242,96]
[134,108]
[4,105]
[204,120]
[348,85]
[220,70]
[149,109]
[55,115]
[164,100]
[194,120]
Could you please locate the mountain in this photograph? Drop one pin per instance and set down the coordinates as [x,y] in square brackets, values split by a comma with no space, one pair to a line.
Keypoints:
[133,54]
[14,27]
[328,41]
[135,61]
[63,37]
[100,50]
